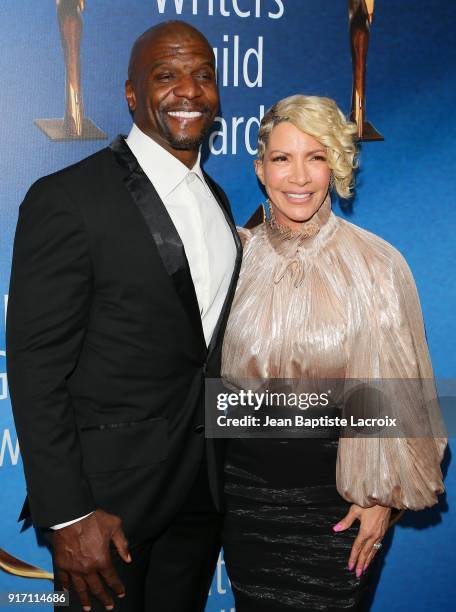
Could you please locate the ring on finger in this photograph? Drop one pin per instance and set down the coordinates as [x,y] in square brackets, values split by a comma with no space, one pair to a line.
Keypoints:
[377,545]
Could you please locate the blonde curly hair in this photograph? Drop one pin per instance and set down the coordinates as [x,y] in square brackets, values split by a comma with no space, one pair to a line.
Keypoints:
[322,119]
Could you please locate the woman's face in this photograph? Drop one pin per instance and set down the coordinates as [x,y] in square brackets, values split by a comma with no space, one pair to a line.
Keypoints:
[295,174]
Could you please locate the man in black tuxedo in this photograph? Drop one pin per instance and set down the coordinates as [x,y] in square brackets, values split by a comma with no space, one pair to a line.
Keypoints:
[124,269]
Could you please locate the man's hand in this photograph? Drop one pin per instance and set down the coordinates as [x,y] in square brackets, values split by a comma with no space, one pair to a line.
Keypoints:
[81,554]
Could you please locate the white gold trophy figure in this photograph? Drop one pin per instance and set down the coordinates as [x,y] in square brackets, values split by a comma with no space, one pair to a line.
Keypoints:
[74,125]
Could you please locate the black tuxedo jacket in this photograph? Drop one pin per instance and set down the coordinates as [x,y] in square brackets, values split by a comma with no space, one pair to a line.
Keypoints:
[106,352]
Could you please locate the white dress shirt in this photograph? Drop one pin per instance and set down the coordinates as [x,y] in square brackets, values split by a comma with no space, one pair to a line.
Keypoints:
[202,226]
[199,220]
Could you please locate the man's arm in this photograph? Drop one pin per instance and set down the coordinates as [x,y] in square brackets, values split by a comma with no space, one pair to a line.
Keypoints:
[48,311]
[48,307]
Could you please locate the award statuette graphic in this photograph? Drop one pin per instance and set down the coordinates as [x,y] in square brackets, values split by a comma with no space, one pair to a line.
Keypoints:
[16,567]
[361,13]
[74,125]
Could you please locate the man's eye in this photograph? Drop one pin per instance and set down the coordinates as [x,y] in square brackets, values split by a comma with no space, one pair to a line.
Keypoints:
[164,76]
[205,76]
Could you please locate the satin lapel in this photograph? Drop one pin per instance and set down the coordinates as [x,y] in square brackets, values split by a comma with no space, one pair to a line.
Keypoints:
[162,230]
[223,203]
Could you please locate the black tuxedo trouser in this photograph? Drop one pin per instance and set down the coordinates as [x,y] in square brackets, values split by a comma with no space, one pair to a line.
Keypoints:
[171,573]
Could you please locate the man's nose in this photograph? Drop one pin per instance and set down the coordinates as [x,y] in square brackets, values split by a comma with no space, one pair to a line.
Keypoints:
[187,87]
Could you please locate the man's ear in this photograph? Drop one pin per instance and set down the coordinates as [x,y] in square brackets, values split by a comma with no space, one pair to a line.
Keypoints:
[259,169]
[130,95]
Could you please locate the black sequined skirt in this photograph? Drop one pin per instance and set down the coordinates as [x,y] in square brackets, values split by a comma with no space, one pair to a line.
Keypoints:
[281,553]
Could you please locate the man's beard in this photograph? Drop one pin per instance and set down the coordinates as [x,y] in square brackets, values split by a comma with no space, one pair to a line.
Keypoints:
[183,142]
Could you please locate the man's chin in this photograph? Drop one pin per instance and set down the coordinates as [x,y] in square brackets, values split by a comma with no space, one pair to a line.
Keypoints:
[185,140]
[185,143]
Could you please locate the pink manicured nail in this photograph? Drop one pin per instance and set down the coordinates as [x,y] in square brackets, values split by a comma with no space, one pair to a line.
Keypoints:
[358,573]
[338,527]
[365,567]
[351,566]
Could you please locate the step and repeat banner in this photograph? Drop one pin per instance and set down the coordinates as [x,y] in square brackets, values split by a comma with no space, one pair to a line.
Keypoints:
[265,50]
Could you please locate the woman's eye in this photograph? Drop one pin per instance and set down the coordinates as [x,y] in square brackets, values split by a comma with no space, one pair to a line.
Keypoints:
[318,158]
[279,158]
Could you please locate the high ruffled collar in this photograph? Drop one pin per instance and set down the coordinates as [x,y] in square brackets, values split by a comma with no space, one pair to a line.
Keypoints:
[309,229]
[296,249]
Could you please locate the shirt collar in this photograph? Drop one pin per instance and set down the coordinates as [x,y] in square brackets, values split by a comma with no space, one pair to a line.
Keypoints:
[164,170]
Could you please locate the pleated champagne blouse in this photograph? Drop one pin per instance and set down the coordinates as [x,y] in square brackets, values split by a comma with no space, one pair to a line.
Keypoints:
[336,301]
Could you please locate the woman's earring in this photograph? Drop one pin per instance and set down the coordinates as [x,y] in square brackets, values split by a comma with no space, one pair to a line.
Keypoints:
[268,211]
[271,216]
[265,215]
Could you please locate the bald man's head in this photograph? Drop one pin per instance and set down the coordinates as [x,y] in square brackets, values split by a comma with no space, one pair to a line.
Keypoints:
[171,88]
[177,30]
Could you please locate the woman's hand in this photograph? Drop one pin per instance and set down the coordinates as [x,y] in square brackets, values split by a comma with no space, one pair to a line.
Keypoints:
[373,525]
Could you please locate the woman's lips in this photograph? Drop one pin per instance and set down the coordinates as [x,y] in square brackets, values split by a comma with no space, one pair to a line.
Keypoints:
[299,198]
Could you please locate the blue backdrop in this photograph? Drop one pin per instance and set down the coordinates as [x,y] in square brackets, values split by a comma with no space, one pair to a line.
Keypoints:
[406,188]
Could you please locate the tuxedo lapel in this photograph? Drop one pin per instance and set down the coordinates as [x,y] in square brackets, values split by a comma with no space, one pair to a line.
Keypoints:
[162,231]
[223,203]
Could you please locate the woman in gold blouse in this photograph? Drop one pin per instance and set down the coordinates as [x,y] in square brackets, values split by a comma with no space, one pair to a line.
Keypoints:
[319,298]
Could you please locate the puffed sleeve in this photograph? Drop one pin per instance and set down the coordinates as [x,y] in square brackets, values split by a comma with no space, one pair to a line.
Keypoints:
[399,472]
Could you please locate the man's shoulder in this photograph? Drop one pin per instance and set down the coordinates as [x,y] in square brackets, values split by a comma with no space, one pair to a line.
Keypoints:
[81,172]
[92,179]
